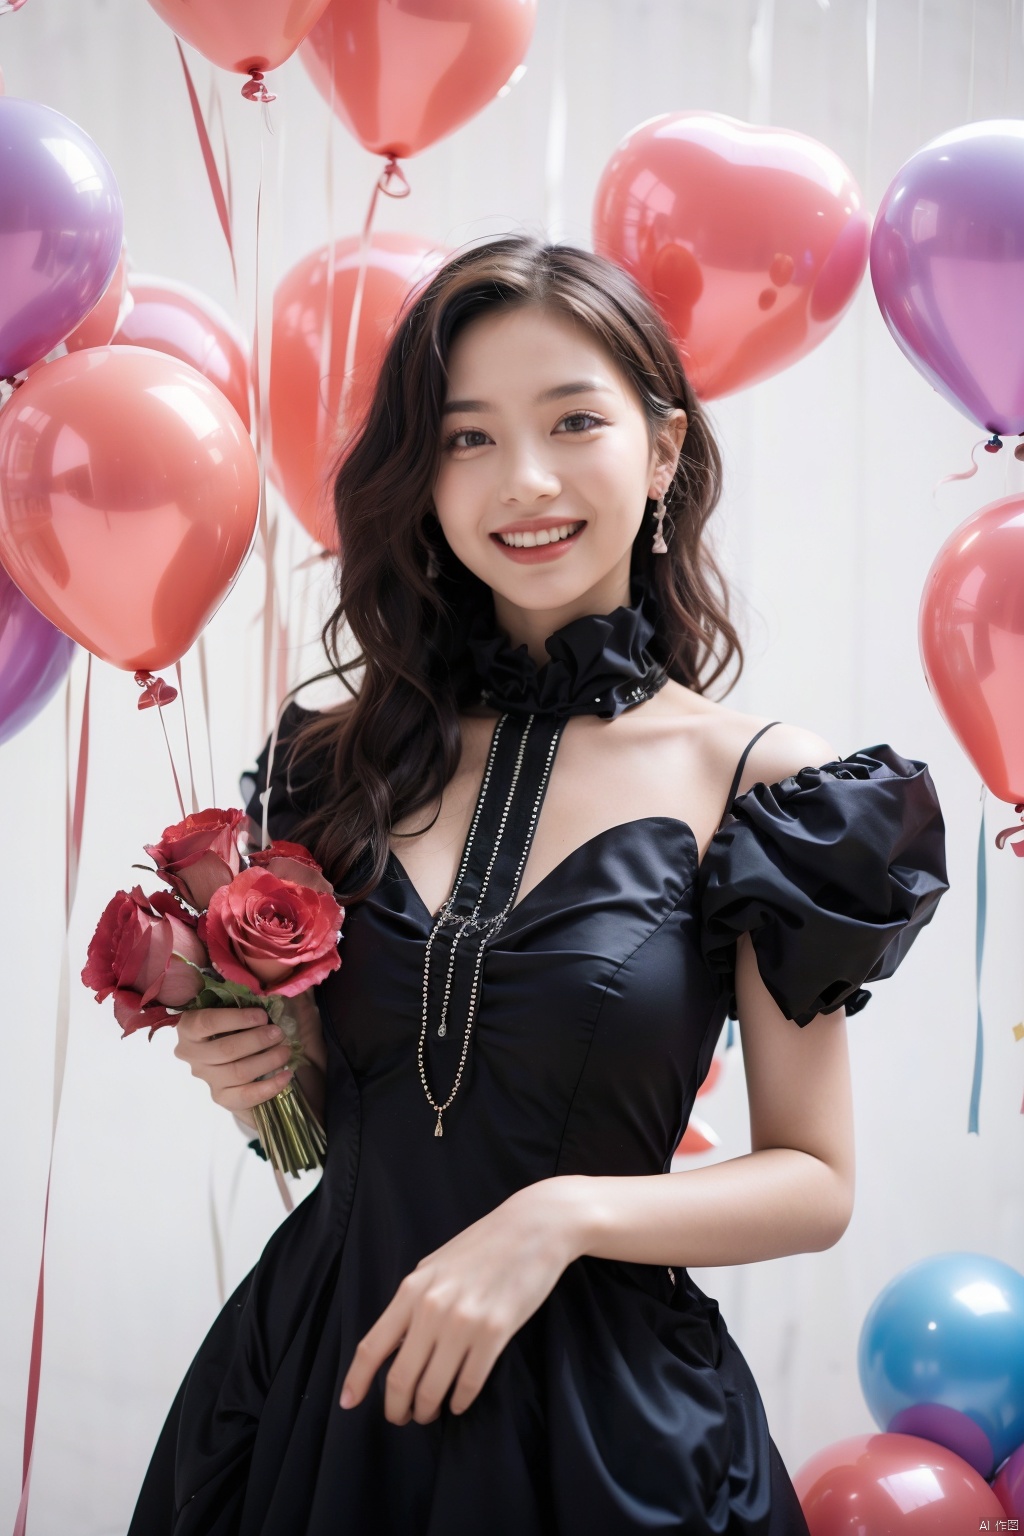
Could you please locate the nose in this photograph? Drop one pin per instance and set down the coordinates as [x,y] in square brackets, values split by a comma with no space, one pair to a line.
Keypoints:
[526,478]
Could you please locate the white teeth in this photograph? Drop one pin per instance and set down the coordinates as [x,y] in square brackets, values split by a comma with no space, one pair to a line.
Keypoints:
[527,540]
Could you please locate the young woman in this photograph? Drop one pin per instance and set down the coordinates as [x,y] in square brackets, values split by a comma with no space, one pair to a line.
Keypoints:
[564,865]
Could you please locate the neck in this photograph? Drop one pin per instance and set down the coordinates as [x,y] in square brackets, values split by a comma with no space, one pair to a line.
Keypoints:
[532,626]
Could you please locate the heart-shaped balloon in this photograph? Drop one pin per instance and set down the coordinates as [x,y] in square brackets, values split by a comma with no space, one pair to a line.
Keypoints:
[129,491]
[751,241]
[61,228]
[400,77]
[971,632]
[171,317]
[306,386]
[947,265]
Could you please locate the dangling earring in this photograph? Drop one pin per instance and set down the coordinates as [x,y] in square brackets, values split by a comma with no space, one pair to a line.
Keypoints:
[659,547]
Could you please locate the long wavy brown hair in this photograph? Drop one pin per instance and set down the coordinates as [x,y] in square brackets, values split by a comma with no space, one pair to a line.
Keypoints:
[396,639]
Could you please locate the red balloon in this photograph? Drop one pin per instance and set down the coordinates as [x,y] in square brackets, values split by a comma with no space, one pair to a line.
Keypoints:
[304,408]
[129,491]
[893,1485]
[100,323]
[241,34]
[404,75]
[174,318]
[751,241]
[971,632]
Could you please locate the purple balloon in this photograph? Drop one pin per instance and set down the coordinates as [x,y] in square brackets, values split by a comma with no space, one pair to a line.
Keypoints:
[61,226]
[947,265]
[34,656]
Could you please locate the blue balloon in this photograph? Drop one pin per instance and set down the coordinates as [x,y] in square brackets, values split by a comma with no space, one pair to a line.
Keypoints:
[941,1355]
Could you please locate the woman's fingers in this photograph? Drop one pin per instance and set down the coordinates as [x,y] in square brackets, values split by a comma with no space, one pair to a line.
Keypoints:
[230,1061]
[375,1346]
[221,1049]
[205,1023]
[449,1357]
[251,1094]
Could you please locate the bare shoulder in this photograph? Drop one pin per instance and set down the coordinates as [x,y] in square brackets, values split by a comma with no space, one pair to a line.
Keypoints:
[783,749]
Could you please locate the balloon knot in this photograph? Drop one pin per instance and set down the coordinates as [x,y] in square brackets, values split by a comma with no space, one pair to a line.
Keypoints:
[254,88]
[1013,832]
[392,180]
[154,690]
[994,443]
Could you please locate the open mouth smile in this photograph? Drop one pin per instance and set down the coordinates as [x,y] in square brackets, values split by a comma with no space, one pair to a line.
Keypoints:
[527,545]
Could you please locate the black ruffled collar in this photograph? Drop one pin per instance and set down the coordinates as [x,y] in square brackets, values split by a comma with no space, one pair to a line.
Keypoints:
[599,665]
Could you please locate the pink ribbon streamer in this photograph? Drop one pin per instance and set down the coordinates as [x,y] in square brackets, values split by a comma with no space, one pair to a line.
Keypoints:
[392,183]
[188,743]
[74,820]
[964,474]
[213,176]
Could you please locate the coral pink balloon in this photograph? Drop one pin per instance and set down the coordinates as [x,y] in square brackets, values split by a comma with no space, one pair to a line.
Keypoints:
[174,318]
[304,408]
[714,1073]
[971,632]
[697,1138]
[100,323]
[893,1485]
[129,491]
[751,241]
[241,34]
[404,75]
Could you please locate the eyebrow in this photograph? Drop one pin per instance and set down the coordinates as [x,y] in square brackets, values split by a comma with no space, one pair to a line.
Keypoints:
[559,392]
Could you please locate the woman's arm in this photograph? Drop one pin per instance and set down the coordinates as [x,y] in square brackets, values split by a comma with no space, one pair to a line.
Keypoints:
[792,1193]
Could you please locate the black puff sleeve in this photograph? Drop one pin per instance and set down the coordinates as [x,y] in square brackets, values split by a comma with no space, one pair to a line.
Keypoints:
[832,871]
[292,796]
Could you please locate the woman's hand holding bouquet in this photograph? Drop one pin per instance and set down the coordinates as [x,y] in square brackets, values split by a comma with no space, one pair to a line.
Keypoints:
[232,933]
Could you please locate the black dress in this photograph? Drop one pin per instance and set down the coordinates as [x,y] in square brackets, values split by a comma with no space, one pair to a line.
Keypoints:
[623,1404]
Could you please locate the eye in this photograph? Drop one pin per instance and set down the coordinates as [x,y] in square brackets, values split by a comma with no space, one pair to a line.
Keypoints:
[452,443]
[584,421]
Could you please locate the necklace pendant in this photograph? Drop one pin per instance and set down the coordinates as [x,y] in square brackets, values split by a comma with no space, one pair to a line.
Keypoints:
[437,1128]
[442,1030]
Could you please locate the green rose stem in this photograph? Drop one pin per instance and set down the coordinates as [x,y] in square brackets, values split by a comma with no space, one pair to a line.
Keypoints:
[289,1131]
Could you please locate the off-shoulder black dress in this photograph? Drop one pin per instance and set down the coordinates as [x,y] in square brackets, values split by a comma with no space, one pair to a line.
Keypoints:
[623,1404]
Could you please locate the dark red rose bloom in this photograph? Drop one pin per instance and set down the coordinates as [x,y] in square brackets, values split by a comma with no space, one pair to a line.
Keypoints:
[290,861]
[271,934]
[198,855]
[145,952]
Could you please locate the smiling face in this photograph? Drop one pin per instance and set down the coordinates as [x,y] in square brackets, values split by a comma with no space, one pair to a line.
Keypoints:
[545,469]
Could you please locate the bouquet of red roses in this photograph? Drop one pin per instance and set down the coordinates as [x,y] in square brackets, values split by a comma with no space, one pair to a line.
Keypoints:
[232,932]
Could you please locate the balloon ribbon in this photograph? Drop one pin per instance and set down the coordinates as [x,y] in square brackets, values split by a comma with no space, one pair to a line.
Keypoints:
[74,817]
[979,949]
[392,183]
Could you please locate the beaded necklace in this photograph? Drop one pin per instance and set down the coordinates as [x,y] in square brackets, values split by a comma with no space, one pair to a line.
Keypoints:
[599,665]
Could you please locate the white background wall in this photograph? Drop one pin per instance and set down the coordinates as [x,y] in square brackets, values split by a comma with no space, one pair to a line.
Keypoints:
[828,527]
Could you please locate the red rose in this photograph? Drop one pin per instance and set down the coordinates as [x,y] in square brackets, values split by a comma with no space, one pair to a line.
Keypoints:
[272,935]
[290,861]
[134,954]
[199,855]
